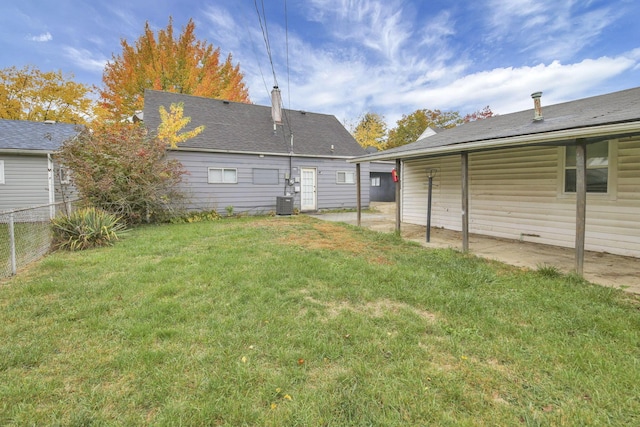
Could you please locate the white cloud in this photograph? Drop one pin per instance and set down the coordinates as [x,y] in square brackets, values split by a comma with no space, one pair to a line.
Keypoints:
[507,90]
[377,57]
[547,29]
[377,25]
[44,37]
[85,59]
[222,26]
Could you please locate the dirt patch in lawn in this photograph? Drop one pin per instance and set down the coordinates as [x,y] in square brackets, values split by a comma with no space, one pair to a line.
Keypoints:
[330,236]
[376,309]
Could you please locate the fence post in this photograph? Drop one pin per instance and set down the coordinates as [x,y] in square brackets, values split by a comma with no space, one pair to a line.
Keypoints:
[12,243]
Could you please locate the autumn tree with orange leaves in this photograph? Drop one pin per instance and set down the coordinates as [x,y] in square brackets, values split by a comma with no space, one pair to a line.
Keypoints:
[182,65]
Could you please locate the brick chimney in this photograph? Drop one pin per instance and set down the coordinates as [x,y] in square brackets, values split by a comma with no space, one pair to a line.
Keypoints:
[537,115]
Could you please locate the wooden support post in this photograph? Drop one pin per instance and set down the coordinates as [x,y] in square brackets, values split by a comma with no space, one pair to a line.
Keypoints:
[398,192]
[464,156]
[581,203]
[429,197]
[358,194]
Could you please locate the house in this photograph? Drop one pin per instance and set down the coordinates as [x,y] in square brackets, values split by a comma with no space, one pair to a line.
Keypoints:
[382,188]
[29,175]
[565,174]
[251,157]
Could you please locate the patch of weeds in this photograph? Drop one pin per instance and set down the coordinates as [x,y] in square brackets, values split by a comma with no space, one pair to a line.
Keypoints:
[548,271]
[200,216]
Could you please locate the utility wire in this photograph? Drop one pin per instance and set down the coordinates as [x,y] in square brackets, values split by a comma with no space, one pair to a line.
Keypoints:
[255,52]
[286,37]
[265,35]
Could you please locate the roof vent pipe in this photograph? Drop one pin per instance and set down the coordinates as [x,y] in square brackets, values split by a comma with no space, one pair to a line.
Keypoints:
[537,115]
[276,105]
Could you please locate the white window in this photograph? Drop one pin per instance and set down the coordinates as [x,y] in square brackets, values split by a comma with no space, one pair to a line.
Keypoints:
[375,181]
[223,176]
[346,177]
[63,175]
[597,168]
[1,171]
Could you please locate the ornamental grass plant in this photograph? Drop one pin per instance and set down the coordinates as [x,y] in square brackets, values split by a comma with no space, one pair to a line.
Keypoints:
[86,228]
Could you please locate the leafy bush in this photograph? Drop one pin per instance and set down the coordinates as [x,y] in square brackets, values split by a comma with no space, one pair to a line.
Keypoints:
[86,228]
[125,171]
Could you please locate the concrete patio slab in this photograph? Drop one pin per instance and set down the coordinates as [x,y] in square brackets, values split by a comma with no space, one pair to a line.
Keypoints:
[601,268]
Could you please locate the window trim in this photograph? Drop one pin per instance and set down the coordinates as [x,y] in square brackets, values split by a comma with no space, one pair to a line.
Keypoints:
[346,173]
[1,171]
[612,176]
[235,171]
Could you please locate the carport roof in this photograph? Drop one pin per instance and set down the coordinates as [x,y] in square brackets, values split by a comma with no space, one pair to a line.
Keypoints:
[611,115]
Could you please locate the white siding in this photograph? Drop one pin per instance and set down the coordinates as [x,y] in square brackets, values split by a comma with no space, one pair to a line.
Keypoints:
[516,194]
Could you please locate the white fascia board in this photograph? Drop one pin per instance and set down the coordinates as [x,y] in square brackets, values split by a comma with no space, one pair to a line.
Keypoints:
[24,151]
[513,141]
[259,153]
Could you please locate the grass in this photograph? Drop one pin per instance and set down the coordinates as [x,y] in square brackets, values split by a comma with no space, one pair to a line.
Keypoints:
[293,321]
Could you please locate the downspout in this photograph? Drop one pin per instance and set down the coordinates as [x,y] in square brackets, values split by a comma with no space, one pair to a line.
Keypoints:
[52,186]
[290,170]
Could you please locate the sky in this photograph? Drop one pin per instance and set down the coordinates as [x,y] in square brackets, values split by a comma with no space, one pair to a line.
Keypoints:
[351,57]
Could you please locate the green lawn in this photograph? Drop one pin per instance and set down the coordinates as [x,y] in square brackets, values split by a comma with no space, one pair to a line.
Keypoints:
[293,321]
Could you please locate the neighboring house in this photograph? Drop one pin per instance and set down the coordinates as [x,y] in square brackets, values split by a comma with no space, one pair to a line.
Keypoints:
[29,175]
[382,188]
[249,156]
[521,175]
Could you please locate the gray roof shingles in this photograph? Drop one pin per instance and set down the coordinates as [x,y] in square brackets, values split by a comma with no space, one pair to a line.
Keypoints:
[616,107]
[36,136]
[239,127]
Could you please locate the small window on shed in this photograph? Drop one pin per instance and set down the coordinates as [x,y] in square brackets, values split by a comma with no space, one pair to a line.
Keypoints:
[265,176]
[346,177]
[223,176]
[375,181]
[1,171]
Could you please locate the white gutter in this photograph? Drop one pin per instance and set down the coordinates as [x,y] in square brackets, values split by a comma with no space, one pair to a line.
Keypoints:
[258,153]
[23,151]
[512,141]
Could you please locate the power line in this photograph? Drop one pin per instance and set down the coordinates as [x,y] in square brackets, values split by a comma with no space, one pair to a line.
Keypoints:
[262,19]
[255,52]
[265,35]
[286,36]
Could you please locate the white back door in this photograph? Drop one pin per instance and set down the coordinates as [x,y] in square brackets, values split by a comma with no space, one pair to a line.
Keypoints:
[308,189]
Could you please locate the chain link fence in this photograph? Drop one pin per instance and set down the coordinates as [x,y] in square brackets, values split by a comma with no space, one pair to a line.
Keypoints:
[25,235]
